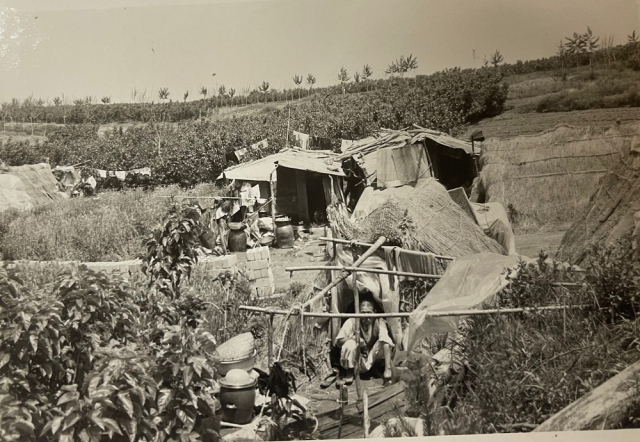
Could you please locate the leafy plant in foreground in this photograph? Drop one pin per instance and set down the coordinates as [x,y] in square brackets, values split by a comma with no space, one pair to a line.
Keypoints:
[172,251]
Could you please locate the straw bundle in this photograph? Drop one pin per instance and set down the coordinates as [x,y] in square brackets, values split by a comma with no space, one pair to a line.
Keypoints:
[308,337]
[609,215]
[428,220]
[548,178]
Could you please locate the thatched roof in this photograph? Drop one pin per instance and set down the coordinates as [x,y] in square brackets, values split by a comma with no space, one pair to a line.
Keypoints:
[428,220]
[549,177]
[609,215]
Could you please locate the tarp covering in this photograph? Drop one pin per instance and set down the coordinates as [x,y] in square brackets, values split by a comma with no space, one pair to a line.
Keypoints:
[368,148]
[293,158]
[12,194]
[468,282]
[494,221]
[398,166]
[35,181]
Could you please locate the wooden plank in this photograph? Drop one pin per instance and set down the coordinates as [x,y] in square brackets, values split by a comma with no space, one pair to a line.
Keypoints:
[336,323]
[380,404]
[303,203]
[602,408]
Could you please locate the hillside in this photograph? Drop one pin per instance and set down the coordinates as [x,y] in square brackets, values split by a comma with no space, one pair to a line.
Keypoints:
[541,101]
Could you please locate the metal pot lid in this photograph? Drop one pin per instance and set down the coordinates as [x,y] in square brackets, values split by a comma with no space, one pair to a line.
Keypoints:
[251,383]
[238,378]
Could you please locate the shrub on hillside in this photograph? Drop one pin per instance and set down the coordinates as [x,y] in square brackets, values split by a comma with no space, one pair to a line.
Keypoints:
[112,227]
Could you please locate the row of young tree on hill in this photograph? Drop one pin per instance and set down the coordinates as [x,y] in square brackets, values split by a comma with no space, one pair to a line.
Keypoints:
[88,109]
[193,152]
[583,49]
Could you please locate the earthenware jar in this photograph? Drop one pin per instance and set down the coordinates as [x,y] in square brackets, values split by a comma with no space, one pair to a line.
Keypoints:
[284,233]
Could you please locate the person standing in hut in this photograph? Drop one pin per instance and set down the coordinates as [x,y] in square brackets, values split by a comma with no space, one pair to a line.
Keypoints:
[375,344]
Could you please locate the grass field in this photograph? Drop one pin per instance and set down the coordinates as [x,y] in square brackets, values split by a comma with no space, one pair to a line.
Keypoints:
[111,227]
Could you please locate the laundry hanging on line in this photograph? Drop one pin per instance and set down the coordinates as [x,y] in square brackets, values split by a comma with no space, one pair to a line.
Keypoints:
[122,174]
[320,143]
[301,140]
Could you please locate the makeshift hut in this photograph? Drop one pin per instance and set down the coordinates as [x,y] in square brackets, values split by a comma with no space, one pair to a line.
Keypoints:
[305,181]
[395,158]
[614,208]
[548,178]
[29,186]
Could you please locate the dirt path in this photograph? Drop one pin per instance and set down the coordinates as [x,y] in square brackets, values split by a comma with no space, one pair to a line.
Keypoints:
[530,244]
[306,252]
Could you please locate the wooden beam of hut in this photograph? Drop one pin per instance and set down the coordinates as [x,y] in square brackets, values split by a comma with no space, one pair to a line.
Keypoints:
[604,407]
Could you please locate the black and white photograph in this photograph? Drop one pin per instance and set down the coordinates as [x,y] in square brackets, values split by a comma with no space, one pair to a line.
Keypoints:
[277,220]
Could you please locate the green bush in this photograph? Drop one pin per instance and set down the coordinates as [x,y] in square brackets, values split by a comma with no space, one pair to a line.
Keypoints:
[525,367]
[93,358]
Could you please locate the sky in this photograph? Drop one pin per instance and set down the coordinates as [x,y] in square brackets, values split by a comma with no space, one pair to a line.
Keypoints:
[97,48]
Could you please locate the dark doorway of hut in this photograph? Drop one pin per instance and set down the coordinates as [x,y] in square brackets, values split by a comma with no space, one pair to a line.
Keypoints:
[316,199]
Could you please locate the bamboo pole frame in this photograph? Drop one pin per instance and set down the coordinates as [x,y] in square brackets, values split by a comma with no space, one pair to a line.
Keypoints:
[338,280]
[469,312]
[356,306]
[364,244]
[362,269]
[199,197]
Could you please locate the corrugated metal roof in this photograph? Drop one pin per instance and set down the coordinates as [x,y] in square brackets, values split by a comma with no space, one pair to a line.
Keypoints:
[293,158]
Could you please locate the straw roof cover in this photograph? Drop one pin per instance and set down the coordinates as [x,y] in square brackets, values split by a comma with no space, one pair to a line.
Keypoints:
[548,177]
[428,220]
[319,161]
[25,187]
[614,209]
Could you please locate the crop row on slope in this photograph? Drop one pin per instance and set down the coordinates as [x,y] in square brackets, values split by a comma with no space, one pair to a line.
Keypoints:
[86,113]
